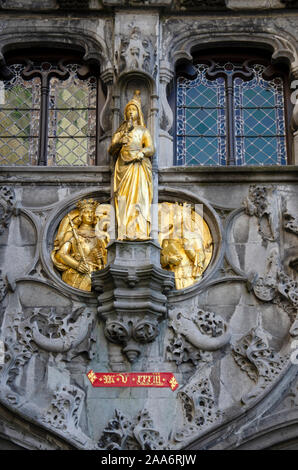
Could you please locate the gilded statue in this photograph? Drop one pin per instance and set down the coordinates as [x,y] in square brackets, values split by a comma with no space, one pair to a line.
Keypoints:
[80,244]
[186,243]
[133,190]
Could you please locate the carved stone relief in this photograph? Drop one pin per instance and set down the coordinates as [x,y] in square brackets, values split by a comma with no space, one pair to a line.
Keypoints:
[201,331]
[198,403]
[262,202]
[255,357]
[68,340]
[7,203]
[137,51]
[290,222]
[139,433]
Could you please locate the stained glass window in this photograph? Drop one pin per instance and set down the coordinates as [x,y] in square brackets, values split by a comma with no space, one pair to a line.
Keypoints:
[48,115]
[19,119]
[229,114]
[72,120]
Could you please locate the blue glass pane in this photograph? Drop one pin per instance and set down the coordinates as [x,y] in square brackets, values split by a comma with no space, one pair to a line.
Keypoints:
[259,115]
[201,95]
[262,151]
[202,150]
[259,122]
[257,96]
[201,122]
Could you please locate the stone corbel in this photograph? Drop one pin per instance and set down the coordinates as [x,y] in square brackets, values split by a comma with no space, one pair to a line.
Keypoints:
[132,296]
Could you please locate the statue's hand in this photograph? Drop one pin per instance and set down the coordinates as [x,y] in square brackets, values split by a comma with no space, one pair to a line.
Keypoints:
[83,267]
[98,255]
[124,140]
[139,157]
[175,260]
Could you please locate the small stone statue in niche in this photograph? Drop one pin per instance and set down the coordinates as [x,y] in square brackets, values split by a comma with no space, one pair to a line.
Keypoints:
[80,249]
[132,145]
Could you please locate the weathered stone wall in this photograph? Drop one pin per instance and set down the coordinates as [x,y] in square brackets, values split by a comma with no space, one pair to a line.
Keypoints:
[230,338]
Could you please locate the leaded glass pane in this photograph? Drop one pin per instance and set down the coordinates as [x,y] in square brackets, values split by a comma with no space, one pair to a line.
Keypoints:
[201,122]
[259,120]
[72,120]
[19,119]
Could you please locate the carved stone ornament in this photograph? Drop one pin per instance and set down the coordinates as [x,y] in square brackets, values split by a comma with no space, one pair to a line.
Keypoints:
[261,363]
[7,203]
[274,283]
[130,312]
[263,203]
[137,51]
[3,288]
[139,433]
[198,404]
[65,408]
[290,222]
[202,331]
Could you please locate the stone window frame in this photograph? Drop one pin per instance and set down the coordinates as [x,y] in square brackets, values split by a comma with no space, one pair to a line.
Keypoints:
[186,69]
[57,55]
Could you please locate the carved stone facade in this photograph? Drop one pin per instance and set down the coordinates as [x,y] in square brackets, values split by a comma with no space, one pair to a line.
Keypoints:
[230,338]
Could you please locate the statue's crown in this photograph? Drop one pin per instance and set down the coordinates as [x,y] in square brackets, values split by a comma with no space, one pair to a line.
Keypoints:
[86,204]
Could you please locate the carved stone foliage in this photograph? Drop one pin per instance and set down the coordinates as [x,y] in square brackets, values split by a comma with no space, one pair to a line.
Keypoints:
[3,288]
[65,408]
[290,222]
[57,333]
[180,351]
[277,287]
[198,404]
[7,203]
[35,332]
[194,334]
[261,363]
[139,433]
[137,51]
[263,203]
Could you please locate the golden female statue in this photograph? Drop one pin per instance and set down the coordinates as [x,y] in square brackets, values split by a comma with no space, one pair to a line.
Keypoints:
[132,145]
[78,251]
